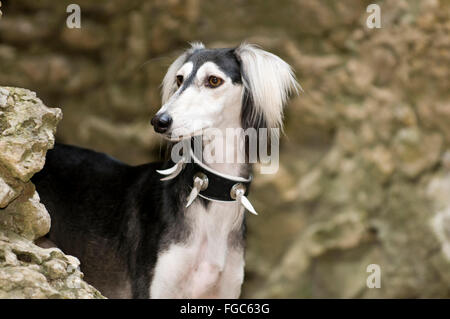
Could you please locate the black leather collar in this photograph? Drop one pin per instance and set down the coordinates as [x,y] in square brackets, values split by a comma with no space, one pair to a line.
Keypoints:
[215,186]
[220,187]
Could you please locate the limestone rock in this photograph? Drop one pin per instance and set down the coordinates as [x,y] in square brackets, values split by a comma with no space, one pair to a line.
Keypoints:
[28,271]
[27,132]
[416,152]
[27,129]
[26,215]
[7,193]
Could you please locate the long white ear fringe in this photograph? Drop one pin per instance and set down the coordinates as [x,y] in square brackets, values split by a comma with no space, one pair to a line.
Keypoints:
[269,81]
[169,85]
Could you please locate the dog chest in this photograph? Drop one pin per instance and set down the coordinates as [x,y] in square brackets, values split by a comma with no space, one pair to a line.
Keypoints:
[210,263]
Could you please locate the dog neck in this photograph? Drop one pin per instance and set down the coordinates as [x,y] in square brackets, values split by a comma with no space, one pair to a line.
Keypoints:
[226,142]
[226,155]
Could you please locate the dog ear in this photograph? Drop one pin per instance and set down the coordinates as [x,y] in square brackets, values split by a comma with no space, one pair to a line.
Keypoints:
[268,81]
[169,84]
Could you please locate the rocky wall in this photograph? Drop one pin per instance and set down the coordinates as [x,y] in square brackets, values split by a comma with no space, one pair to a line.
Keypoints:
[27,129]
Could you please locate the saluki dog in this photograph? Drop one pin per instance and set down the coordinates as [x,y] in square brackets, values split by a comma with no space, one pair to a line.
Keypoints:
[142,231]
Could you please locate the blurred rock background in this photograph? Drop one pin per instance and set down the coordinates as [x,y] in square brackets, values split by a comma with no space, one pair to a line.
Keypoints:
[365,163]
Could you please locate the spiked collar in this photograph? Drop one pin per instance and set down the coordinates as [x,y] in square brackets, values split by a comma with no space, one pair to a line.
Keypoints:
[209,183]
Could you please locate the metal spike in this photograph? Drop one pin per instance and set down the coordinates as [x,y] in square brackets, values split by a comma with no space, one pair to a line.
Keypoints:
[244,201]
[192,196]
[172,171]
[198,183]
[168,171]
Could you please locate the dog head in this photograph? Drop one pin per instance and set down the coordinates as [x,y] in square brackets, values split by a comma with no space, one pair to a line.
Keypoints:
[219,88]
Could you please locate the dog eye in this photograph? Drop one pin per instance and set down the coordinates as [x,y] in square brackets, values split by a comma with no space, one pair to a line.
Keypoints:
[179,80]
[214,81]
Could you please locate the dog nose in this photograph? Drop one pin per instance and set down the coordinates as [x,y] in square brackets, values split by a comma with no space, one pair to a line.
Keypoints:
[161,123]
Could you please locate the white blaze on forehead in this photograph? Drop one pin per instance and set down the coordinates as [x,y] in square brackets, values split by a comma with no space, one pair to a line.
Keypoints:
[186,69]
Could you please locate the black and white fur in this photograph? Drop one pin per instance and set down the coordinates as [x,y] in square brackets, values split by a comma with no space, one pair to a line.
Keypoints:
[131,231]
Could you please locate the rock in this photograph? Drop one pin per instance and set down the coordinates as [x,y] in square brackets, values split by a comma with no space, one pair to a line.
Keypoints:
[22,30]
[378,194]
[7,193]
[441,226]
[26,270]
[345,231]
[309,187]
[55,269]
[416,152]
[382,160]
[89,37]
[26,215]
[28,128]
